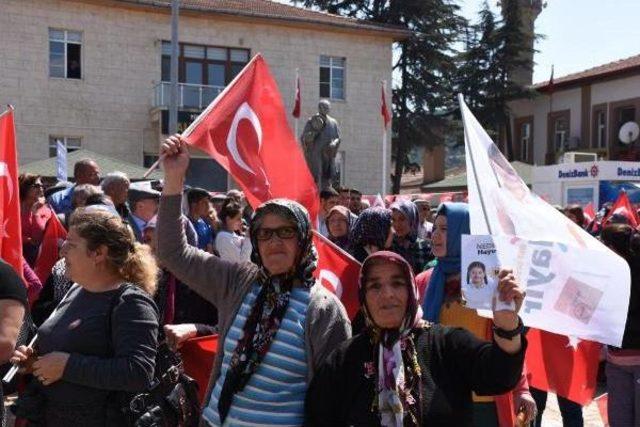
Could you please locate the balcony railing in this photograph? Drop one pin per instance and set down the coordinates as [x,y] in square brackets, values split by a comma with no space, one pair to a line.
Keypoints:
[189,95]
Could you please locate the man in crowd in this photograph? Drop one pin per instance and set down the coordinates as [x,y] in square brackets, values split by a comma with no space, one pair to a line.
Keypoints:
[85,171]
[199,206]
[144,207]
[328,199]
[116,186]
[345,197]
[355,201]
[425,217]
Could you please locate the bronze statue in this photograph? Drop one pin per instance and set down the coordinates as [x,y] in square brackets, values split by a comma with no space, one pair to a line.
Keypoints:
[320,142]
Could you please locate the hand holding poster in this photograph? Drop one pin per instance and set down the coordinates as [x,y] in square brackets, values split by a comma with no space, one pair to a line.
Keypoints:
[480,269]
[575,285]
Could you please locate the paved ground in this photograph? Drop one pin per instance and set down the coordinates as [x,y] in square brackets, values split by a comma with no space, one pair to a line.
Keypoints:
[552,418]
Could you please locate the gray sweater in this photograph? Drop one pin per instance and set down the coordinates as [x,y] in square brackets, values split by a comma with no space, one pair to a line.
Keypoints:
[225,285]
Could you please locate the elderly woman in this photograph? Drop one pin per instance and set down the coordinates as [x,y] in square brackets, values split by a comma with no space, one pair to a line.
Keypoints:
[404,371]
[276,326]
[339,223]
[371,232]
[443,304]
[406,225]
[103,336]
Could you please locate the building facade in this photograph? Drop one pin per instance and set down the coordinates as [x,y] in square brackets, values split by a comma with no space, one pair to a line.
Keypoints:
[581,112]
[94,74]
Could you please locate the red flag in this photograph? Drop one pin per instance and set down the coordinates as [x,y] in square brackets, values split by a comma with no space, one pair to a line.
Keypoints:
[245,130]
[384,110]
[622,206]
[589,213]
[198,355]
[10,227]
[297,103]
[54,234]
[554,365]
[339,272]
[603,403]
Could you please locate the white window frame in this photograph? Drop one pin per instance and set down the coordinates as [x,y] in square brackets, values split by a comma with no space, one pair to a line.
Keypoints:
[66,43]
[601,137]
[562,133]
[333,67]
[66,140]
[525,140]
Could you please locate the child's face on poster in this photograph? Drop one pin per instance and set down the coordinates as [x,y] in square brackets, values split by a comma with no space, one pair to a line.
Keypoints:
[477,276]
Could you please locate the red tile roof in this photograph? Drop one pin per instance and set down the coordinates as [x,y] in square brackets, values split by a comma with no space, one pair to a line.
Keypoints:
[601,72]
[272,10]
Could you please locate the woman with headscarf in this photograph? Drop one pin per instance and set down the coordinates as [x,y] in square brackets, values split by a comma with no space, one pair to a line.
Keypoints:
[275,326]
[443,304]
[406,225]
[404,371]
[339,223]
[371,232]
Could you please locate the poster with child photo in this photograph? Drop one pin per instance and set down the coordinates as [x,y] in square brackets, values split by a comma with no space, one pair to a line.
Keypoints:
[480,269]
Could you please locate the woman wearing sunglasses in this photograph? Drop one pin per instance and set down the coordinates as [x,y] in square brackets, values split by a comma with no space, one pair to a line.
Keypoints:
[275,326]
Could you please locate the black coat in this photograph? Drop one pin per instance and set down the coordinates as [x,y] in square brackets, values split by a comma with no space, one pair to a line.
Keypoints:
[452,361]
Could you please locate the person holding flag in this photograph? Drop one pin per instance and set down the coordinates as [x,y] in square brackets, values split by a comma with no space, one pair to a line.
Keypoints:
[276,326]
[33,215]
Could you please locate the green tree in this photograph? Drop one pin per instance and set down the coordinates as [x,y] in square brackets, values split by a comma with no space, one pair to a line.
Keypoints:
[424,67]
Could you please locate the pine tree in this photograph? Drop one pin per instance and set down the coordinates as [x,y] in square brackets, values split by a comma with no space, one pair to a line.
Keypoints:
[425,67]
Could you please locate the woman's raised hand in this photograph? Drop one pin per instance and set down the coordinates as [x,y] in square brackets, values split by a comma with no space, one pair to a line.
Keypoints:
[175,161]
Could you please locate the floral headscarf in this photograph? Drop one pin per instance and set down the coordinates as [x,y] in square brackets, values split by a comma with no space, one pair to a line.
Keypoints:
[371,228]
[273,299]
[410,211]
[398,374]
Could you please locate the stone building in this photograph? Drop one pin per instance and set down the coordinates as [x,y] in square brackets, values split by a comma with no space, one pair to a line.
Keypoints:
[94,74]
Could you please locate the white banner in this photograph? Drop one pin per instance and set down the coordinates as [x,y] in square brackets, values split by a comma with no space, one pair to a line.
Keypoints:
[563,267]
[61,160]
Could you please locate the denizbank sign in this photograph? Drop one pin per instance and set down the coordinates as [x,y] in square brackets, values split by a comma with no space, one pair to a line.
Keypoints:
[573,173]
[633,172]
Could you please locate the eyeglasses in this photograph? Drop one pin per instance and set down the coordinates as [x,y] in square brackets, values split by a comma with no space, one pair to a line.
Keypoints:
[283,233]
[37,185]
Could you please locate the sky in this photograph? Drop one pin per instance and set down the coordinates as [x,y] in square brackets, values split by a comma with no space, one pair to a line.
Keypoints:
[579,34]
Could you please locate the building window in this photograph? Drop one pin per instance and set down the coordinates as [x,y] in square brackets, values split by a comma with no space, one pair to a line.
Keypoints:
[599,138]
[623,115]
[525,141]
[204,65]
[72,144]
[332,73]
[560,133]
[65,54]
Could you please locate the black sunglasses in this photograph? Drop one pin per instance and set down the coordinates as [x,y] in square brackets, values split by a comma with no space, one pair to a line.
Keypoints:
[283,233]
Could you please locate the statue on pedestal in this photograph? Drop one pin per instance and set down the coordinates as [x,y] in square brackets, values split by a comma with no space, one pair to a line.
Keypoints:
[320,142]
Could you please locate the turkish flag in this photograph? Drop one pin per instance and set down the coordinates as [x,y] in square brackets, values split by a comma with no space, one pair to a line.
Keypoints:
[298,101]
[339,272]
[589,213]
[555,365]
[245,129]
[384,110]
[197,357]
[622,206]
[10,227]
[54,234]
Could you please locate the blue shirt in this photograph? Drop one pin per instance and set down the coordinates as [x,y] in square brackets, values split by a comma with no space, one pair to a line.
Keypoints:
[61,201]
[204,232]
[274,395]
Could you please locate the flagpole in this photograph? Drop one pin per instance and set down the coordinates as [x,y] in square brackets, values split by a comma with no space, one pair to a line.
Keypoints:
[384,149]
[469,152]
[295,91]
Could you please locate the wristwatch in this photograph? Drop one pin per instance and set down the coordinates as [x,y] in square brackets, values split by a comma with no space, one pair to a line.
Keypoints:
[508,335]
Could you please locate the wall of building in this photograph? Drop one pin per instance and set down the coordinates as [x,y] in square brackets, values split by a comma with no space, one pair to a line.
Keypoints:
[110,107]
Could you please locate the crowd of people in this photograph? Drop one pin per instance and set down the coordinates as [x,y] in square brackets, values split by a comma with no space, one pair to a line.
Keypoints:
[144,266]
